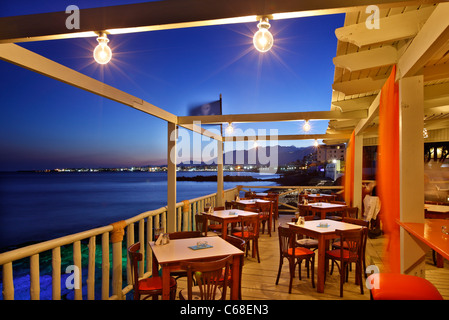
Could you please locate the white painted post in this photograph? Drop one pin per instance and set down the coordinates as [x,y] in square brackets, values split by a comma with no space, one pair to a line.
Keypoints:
[171,176]
[411,150]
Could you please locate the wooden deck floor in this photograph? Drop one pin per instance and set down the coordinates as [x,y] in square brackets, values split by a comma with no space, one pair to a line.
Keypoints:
[258,280]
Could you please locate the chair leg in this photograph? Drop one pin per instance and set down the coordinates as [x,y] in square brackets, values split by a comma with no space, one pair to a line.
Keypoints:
[291,264]
[256,241]
[342,278]
[281,261]
[313,270]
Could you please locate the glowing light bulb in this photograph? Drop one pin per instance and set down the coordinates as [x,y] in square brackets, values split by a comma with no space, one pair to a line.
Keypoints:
[230,128]
[255,144]
[102,52]
[306,126]
[315,143]
[263,39]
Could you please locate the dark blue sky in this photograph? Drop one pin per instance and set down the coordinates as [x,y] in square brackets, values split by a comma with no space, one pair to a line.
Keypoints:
[46,124]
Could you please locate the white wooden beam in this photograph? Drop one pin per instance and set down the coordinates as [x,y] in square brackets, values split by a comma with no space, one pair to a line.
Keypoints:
[273,117]
[291,137]
[432,36]
[366,59]
[170,14]
[373,112]
[392,28]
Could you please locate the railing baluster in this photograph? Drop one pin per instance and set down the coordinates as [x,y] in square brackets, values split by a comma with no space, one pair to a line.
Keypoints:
[91,270]
[56,273]
[105,265]
[78,267]
[34,277]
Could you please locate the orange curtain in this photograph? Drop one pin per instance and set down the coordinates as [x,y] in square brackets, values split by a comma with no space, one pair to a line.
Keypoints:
[388,169]
[349,171]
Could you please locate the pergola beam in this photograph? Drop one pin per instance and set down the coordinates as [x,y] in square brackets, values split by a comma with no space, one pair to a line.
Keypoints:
[273,117]
[433,35]
[289,137]
[160,15]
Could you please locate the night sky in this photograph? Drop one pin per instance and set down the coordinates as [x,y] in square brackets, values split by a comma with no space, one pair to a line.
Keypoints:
[47,124]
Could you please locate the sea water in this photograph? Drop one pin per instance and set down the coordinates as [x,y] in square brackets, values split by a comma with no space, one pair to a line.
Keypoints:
[36,207]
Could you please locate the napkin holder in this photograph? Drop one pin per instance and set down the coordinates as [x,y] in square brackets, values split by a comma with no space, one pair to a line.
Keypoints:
[162,239]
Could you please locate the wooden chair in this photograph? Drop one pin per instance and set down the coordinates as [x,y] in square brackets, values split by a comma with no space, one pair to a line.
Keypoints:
[239,244]
[207,275]
[265,214]
[306,242]
[351,253]
[201,223]
[275,198]
[352,212]
[183,235]
[304,211]
[149,287]
[294,255]
[337,244]
[216,227]
[249,231]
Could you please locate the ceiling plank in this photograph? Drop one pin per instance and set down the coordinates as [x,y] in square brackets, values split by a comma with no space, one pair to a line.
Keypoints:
[373,58]
[392,28]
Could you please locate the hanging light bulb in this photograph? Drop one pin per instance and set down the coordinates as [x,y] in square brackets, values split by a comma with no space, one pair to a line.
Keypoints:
[102,52]
[306,126]
[255,144]
[263,39]
[230,128]
[316,143]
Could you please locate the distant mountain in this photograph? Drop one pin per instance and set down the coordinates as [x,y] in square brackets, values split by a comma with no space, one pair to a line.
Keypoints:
[260,156]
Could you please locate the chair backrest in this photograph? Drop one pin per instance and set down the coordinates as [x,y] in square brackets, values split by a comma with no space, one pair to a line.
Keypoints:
[250,225]
[209,275]
[304,210]
[250,194]
[134,257]
[184,234]
[237,242]
[229,205]
[354,240]
[352,212]
[201,223]
[358,222]
[287,238]
[265,208]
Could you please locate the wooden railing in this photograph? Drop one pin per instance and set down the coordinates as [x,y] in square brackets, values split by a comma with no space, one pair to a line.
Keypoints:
[146,223]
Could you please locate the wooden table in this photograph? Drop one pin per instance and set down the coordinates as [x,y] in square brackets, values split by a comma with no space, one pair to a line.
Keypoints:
[324,207]
[431,234]
[224,217]
[169,257]
[312,229]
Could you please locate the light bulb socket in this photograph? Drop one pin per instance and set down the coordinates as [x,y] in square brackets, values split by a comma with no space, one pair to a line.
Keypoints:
[263,24]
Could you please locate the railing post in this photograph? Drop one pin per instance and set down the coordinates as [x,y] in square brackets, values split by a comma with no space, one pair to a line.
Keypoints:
[116,239]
